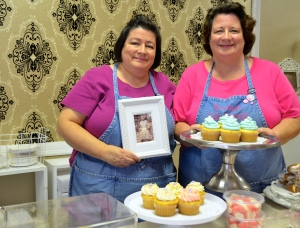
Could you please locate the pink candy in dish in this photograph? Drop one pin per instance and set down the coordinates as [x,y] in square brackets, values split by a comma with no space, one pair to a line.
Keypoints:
[243,204]
[234,222]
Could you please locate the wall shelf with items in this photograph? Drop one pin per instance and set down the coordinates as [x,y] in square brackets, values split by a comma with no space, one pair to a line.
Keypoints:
[23,148]
[58,177]
[24,152]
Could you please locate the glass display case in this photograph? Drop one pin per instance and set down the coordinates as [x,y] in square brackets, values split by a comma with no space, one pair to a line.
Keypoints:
[93,210]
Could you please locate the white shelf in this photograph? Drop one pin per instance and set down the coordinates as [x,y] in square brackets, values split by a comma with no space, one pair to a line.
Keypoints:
[56,167]
[41,179]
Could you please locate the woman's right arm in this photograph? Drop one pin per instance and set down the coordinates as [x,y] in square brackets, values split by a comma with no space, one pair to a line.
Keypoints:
[186,103]
[70,127]
[179,128]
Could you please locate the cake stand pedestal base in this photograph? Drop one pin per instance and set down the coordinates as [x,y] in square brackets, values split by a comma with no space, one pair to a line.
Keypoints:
[227,178]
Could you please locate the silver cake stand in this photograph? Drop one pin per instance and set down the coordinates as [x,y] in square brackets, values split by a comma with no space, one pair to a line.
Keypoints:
[227,178]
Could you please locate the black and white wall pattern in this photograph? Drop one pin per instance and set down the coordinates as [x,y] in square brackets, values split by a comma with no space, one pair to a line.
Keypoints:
[46,46]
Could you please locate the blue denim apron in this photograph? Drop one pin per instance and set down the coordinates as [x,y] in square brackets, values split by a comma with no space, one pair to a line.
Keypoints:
[258,167]
[92,175]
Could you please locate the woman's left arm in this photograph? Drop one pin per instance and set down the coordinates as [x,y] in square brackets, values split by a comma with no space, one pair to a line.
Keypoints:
[286,130]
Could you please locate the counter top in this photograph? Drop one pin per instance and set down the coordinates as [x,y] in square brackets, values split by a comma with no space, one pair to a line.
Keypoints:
[269,207]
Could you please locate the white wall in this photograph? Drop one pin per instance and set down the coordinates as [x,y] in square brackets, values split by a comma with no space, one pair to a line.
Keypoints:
[291,151]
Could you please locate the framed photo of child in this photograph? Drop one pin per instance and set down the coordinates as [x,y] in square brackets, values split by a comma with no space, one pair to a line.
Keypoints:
[144,126]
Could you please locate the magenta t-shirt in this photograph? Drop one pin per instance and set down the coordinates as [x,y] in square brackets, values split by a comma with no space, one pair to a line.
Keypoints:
[93,96]
[274,92]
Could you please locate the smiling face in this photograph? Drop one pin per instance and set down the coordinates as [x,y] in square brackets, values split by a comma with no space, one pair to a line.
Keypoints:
[138,52]
[226,38]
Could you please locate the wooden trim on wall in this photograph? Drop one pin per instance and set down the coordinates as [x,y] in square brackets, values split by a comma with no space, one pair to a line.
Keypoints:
[256,9]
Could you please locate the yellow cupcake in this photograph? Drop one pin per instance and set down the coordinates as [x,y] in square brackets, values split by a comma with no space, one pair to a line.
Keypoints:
[165,202]
[195,185]
[249,135]
[210,129]
[189,202]
[230,132]
[249,132]
[175,187]
[230,136]
[148,194]
[210,134]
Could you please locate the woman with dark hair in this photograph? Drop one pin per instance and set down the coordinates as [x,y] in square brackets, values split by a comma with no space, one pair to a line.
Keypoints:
[232,83]
[89,121]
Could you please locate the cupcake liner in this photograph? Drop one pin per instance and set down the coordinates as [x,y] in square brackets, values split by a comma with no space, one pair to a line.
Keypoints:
[165,208]
[148,201]
[189,208]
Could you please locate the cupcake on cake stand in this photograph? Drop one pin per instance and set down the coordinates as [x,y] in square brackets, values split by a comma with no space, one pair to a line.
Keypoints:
[227,178]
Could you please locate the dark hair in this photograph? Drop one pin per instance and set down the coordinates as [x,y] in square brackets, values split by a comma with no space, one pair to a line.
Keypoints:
[139,21]
[247,24]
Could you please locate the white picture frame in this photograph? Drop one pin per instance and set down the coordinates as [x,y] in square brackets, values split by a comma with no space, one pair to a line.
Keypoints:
[144,126]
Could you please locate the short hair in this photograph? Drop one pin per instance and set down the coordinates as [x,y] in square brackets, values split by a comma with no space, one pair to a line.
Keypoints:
[139,21]
[247,24]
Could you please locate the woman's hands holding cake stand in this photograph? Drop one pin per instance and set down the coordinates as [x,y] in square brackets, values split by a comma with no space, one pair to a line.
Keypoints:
[198,128]
[267,131]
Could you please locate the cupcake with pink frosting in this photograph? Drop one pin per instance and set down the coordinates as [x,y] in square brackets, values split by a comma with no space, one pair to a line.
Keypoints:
[196,185]
[189,202]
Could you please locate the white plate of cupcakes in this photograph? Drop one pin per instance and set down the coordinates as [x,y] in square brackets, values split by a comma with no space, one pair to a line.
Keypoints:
[175,205]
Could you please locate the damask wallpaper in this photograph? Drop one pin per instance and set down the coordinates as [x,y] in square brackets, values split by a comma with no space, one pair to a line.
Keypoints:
[46,46]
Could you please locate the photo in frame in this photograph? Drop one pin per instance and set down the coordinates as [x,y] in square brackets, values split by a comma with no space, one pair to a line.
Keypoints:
[144,126]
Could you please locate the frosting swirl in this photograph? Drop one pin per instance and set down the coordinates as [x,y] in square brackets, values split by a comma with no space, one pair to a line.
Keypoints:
[174,187]
[189,195]
[165,194]
[231,124]
[196,186]
[224,118]
[150,189]
[210,123]
[248,124]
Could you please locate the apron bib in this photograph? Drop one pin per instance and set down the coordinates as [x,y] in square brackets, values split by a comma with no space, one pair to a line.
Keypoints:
[258,167]
[92,175]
